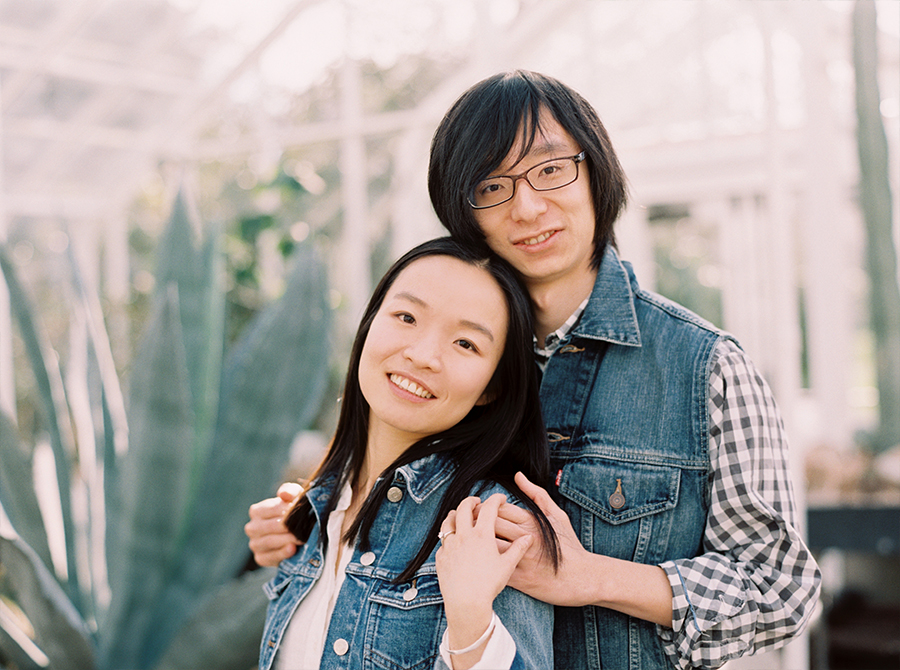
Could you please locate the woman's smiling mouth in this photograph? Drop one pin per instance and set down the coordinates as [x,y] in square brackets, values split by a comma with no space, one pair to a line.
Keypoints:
[410,386]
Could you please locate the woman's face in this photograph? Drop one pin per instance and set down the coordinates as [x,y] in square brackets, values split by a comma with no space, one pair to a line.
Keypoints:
[432,348]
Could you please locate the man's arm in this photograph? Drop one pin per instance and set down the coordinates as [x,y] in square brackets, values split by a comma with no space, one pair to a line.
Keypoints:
[583,578]
[755,584]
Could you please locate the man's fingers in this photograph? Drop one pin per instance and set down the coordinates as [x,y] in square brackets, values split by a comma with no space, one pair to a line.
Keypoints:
[273,542]
[537,494]
[289,491]
[270,508]
[511,531]
[270,559]
[513,514]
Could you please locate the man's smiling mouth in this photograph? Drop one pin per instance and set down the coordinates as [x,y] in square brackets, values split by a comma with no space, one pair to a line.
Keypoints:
[537,240]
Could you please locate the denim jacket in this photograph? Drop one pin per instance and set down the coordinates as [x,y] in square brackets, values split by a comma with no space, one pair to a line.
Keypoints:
[384,624]
[629,442]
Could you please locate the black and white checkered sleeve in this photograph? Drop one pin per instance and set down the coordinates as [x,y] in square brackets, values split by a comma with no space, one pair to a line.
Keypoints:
[755,584]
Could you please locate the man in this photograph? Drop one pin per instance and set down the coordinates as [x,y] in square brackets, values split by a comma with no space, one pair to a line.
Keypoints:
[672,498]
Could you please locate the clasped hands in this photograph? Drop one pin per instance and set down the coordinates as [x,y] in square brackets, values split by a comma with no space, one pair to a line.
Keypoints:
[514,529]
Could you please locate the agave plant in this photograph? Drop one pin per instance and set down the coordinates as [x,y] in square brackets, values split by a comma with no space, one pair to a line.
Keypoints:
[168,470]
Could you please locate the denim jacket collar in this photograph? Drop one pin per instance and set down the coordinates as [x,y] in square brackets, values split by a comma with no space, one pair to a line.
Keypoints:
[420,478]
[610,314]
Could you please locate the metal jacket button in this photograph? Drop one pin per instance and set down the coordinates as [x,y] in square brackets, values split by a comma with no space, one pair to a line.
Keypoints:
[410,593]
[617,499]
[367,558]
[395,494]
[341,646]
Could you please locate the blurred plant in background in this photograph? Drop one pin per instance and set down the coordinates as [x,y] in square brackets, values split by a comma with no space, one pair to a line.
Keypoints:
[154,482]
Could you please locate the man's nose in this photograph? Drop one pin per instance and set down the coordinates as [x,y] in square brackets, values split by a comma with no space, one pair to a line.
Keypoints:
[526,202]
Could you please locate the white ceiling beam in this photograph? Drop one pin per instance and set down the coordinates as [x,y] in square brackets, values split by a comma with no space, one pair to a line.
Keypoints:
[50,41]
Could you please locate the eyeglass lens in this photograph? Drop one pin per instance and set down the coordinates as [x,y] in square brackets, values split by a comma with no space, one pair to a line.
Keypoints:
[544,176]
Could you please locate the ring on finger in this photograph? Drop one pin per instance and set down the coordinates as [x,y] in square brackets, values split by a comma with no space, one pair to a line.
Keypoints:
[445,533]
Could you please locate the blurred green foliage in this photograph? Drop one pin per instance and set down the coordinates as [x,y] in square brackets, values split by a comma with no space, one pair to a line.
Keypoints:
[153,484]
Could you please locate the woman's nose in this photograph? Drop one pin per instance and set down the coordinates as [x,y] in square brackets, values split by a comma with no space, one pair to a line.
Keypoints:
[423,352]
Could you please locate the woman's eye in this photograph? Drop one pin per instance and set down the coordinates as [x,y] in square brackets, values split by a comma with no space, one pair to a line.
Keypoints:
[406,318]
[465,344]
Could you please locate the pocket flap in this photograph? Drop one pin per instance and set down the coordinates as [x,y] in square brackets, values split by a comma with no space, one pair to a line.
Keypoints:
[422,590]
[618,491]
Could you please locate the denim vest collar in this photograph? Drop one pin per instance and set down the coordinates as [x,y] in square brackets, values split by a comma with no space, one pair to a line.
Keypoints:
[610,314]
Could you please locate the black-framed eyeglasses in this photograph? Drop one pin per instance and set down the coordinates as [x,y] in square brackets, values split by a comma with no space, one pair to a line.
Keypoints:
[546,176]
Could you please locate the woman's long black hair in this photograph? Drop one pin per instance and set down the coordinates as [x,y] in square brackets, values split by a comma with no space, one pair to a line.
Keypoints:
[491,444]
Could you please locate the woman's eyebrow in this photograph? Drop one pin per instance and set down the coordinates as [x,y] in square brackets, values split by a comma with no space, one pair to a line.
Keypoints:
[405,295]
[477,326]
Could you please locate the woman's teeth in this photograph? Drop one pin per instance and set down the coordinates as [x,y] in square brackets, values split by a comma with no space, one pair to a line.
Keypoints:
[412,387]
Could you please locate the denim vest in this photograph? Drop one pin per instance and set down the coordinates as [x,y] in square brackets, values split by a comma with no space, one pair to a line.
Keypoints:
[377,623]
[625,402]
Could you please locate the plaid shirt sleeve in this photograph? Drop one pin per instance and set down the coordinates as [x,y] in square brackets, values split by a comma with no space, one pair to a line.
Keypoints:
[755,583]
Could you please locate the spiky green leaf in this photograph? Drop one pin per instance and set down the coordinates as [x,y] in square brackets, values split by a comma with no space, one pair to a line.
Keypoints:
[153,486]
[60,631]
[225,631]
[271,389]
[17,494]
[53,406]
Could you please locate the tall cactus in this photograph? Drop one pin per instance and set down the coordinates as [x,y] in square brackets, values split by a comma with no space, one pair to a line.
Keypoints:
[207,435]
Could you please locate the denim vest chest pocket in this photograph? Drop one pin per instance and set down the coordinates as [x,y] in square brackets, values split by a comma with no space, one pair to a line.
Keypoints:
[405,623]
[618,507]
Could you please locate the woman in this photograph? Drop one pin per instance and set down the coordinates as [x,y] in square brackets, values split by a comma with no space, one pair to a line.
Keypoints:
[440,405]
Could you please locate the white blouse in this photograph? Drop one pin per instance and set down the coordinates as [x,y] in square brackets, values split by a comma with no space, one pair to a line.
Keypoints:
[304,639]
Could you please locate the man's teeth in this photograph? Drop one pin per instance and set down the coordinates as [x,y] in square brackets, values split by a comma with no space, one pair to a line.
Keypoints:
[412,387]
[537,240]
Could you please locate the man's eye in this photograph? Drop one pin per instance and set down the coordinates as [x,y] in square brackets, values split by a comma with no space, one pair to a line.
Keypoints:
[490,187]
[549,170]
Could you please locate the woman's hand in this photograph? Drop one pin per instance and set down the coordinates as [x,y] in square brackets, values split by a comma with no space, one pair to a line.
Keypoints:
[270,540]
[472,571]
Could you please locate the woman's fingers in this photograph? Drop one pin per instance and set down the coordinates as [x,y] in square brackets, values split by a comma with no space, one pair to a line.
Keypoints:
[465,514]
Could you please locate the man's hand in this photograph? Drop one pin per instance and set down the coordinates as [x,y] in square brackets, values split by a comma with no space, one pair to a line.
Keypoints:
[534,574]
[270,540]
[583,578]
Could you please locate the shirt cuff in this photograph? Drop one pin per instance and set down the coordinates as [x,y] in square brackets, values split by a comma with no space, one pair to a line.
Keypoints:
[499,652]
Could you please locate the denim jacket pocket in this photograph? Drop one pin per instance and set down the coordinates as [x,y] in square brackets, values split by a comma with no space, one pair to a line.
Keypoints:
[620,506]
[406,624]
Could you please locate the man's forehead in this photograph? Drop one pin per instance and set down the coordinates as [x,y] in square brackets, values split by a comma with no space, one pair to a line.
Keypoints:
[550,140]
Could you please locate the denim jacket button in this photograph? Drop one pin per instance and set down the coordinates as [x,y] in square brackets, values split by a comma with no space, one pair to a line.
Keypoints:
[341,646]
[395,494]
[367,558]
[410,593]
